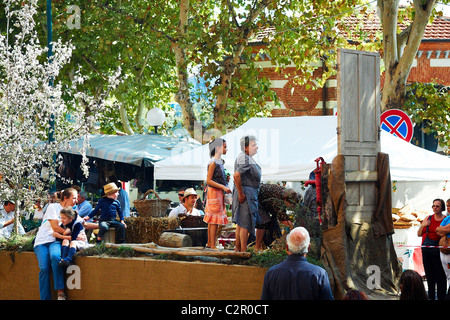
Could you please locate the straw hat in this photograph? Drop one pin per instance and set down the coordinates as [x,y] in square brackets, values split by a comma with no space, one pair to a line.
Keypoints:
[110,188]
[189,192]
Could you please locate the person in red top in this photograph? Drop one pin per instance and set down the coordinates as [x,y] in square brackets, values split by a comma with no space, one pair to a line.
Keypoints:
[430,255]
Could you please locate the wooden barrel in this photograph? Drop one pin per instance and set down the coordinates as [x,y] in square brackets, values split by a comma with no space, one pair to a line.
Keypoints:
[175,240]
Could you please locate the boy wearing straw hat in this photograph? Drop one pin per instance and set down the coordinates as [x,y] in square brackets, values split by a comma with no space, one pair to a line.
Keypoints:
[109,207]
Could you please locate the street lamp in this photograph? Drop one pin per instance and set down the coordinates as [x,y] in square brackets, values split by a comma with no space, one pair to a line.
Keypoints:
[156,118]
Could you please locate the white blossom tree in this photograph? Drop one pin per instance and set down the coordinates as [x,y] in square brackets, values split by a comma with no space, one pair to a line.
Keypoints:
[32,107]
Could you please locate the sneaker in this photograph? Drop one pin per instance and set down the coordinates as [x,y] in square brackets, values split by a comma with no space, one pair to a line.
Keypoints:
[64,263]
[61,296]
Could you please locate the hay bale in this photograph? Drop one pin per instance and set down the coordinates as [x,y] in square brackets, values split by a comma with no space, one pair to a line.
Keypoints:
[148,229]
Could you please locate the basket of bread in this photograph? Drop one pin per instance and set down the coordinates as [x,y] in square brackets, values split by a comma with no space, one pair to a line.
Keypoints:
[407,217]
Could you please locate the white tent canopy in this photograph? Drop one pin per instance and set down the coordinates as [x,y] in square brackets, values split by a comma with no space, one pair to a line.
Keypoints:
[289,146]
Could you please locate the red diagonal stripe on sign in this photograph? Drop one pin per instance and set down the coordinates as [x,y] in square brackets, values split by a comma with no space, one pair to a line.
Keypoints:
[394,128]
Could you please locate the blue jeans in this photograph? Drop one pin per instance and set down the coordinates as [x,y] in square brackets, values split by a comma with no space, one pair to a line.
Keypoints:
[105,225]
[48,256]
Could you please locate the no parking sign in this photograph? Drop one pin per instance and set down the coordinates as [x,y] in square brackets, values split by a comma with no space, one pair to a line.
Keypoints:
[397,123]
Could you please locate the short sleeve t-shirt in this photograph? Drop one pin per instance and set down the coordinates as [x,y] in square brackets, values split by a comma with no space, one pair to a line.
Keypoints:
[248,168]
[45,232]
[445,222]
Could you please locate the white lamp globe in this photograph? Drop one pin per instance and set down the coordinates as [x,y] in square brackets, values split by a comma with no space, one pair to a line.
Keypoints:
[156,117]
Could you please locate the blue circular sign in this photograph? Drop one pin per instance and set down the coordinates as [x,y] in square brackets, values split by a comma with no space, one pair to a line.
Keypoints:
[397,123]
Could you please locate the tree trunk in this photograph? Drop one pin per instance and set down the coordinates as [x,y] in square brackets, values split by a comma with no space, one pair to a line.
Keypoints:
[231,63]
[182,97]
[124,118]
[16,216]
[400,50]
[175,240]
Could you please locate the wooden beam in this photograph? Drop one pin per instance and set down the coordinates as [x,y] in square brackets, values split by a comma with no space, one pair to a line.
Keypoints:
[361,176]
[155,249]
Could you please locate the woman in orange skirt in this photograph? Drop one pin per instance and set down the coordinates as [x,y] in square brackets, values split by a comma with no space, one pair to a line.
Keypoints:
[215,211]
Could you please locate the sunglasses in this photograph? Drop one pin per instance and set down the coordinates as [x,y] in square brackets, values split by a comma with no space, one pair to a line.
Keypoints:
[181,194]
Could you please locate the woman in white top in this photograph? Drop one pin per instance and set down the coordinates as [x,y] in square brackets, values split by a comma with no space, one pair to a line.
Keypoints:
[48,250]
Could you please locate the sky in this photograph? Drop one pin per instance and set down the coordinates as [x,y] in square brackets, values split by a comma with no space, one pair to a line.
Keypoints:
[445,8]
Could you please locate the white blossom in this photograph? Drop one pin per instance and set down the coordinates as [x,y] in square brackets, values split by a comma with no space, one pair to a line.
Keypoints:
[29,104]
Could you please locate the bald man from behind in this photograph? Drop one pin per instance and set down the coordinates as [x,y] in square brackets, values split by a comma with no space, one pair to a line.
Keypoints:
[296,278]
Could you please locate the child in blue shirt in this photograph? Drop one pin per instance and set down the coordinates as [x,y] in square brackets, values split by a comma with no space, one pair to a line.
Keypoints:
[74,238]
[109,208]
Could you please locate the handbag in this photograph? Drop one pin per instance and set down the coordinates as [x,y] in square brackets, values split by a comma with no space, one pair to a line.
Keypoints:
[444,242]
[427,242]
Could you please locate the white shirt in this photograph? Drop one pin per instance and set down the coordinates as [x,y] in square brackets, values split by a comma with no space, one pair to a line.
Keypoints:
[182,210]
[5,232]
[45,232]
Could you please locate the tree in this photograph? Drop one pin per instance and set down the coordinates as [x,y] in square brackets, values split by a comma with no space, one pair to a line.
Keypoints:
[402,30]
[161,44]
[30,100]
[215,36]
[108,37]
[428,105]
[400,48]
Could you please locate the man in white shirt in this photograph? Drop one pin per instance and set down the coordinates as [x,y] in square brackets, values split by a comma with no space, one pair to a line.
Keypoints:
[180,208]
[187,206]
[7,220]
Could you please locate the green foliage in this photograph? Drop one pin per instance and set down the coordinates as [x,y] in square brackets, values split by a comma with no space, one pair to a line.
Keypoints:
[17,243]
[267,258]
[429,103]
[270,257]
[113,36]
[101,249]
[138,36]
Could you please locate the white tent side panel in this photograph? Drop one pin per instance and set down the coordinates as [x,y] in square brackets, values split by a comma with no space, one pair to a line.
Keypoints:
[289,146]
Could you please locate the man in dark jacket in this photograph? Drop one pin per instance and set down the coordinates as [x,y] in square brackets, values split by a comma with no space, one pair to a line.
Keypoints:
[296,278]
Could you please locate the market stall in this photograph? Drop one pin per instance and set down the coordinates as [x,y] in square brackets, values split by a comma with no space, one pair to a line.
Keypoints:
[124,157]
[137,149]
[407,244]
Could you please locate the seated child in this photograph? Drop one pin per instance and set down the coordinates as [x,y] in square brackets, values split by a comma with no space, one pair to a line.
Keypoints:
[74,238]
[109,208]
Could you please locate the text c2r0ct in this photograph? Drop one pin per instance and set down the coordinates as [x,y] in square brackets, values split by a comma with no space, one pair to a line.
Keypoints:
[241,309]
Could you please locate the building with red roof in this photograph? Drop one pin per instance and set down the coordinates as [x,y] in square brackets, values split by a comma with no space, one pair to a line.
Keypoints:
[432,64]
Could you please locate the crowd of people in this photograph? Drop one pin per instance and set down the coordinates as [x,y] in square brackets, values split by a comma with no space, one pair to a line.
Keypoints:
[256,210]
[67,222]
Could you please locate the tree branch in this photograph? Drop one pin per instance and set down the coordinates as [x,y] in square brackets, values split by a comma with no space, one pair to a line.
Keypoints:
[232,13]
[139,21]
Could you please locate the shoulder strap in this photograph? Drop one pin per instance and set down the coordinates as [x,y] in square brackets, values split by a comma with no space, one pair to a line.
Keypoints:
[429,219]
